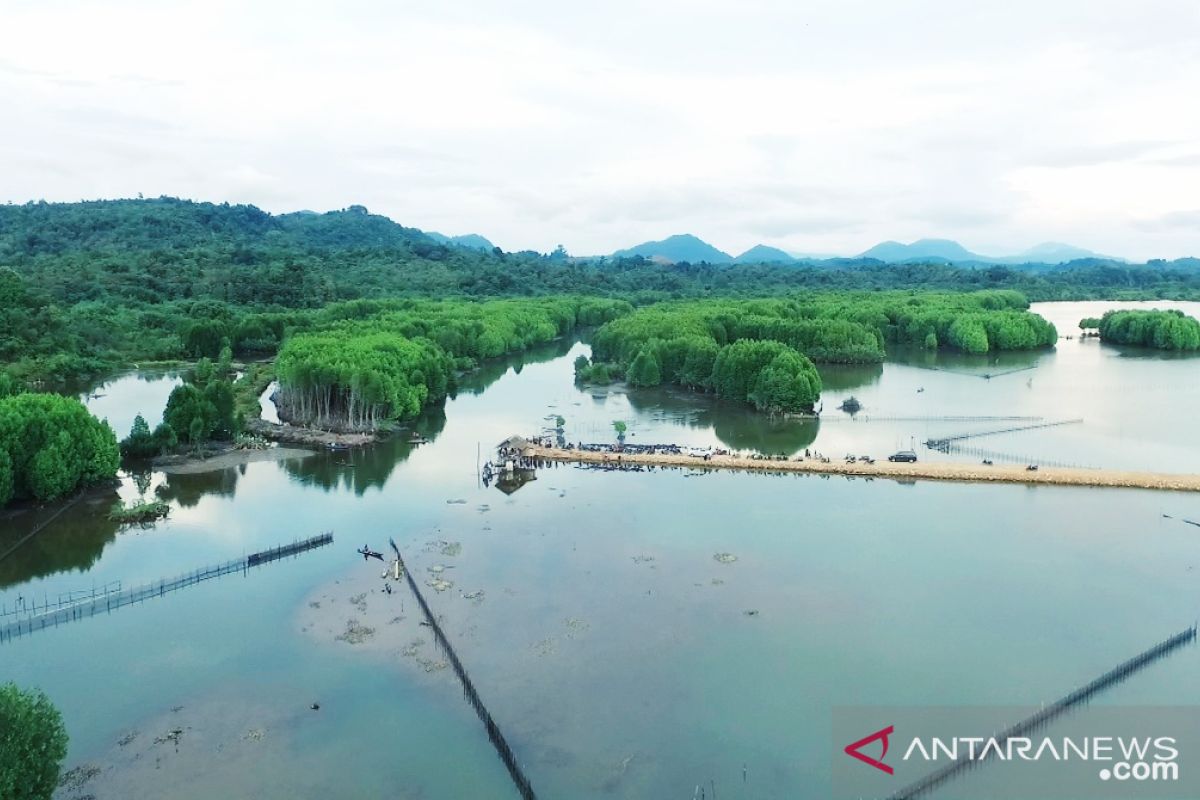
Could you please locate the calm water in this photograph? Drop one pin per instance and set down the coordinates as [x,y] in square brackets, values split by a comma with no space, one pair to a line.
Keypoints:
[614,650]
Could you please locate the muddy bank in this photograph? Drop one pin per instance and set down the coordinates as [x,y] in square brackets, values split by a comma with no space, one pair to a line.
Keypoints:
[931,470]
[371,609]
[226,745]
[191,465]
[291,434]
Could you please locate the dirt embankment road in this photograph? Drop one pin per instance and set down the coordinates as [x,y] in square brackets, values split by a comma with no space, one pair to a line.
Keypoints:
[931,470]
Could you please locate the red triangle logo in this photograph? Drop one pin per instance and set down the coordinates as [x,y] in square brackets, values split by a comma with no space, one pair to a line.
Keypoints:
[853,748]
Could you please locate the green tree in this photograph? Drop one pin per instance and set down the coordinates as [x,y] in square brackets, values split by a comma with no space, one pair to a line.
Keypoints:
[931,341]
[165,438]
[620,427]
[53,445]
[140,442]
[788,383]
[225,359]
[33,743]
[6,478]
[645,370]
[204,372]
[190,414]
[9,385]
[1163,330]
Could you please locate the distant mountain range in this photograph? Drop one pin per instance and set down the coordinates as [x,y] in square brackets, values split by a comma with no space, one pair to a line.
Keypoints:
[692,249]
[471,240]
[686,247]
[762,254]
[951,251]
[681,247]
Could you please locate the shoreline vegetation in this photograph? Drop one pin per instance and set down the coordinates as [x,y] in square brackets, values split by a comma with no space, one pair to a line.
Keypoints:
[762,351]
[928,470]
[1161,330]
[376,363]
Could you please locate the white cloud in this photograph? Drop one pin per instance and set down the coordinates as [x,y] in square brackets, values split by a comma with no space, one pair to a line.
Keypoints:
[822,126]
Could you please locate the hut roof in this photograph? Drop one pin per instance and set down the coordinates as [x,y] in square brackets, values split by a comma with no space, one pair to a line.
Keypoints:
[515,443]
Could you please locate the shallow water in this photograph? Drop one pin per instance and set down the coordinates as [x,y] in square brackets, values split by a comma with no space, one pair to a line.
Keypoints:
[614,650]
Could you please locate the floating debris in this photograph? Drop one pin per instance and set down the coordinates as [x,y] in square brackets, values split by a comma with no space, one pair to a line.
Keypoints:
[476,596]
[439,584]
[576,626]
[356,633]
[458,501]
[724,558]
[642,559]
[74,779]
[172,736]
[451,549]
[752,612]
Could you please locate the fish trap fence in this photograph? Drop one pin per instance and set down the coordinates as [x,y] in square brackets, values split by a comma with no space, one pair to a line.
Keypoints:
[522,784]
[106,602]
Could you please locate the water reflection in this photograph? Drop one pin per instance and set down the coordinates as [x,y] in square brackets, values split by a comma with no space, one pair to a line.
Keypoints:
[74,541]
[492,370]
[736,426]
[364,468]
[188,490]
[122,398]
[983,365]
[841,377]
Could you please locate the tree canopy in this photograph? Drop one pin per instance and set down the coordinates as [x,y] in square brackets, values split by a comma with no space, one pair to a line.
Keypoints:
[371,361]
[1162,330]
[51,445]
[33,743]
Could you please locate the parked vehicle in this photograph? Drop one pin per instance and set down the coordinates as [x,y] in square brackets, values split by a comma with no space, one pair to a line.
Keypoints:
[907,456]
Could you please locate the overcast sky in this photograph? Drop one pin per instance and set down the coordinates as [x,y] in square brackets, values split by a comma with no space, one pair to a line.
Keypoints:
[818,127]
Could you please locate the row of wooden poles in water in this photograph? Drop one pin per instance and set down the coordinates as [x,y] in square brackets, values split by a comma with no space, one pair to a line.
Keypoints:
[1051,712]
[27,621]
[524,787]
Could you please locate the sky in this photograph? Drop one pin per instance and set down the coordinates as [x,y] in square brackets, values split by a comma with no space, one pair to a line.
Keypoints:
[818,127]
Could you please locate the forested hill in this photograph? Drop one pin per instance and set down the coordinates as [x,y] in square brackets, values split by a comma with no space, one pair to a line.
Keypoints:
[170,224]
[137,252]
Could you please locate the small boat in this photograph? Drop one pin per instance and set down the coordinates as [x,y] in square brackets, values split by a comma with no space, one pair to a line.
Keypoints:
[851,405]
[367,552]
[417,438]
